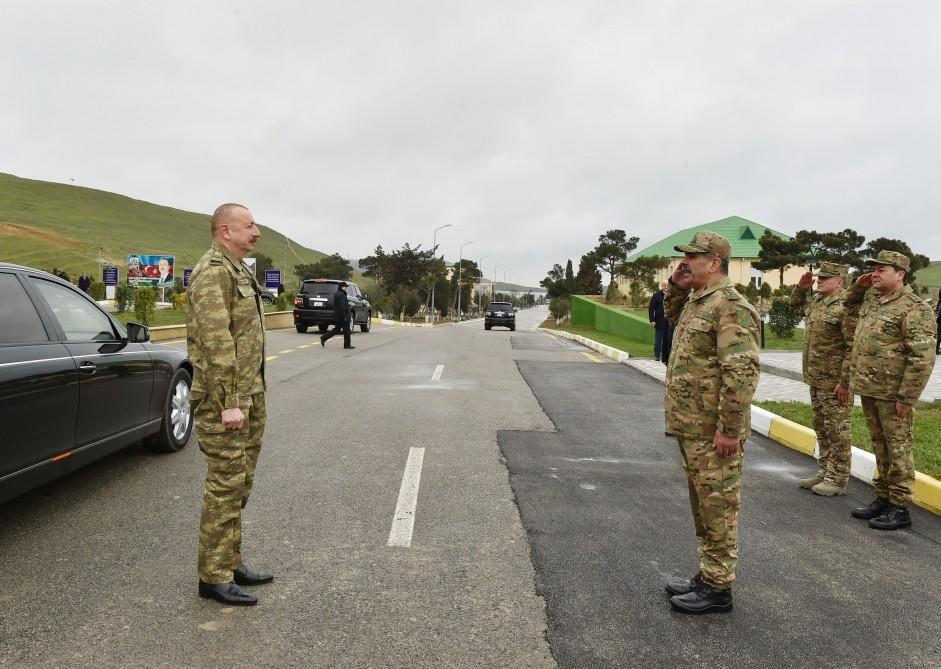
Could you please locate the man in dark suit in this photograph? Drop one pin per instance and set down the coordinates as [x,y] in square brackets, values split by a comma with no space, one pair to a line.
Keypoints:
[84,282]
[663,332]
[341,317]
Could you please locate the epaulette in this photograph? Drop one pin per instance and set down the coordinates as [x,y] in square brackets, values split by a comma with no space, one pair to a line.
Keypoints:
[216,258]
[731,293]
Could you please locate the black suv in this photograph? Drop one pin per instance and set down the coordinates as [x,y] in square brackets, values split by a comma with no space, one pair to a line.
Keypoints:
[500,313]
[76,385]
[314,305]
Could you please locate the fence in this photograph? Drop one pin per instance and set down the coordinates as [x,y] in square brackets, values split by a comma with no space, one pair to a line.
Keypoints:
[608,319]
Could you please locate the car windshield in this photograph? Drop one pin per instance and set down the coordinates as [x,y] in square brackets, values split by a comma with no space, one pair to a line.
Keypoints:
[320,289]
[500,306]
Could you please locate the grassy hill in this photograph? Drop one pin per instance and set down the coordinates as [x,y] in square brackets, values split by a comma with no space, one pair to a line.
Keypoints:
[930,276]
[46,225]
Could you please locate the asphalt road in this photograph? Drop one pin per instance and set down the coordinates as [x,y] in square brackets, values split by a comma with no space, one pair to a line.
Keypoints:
[555,555]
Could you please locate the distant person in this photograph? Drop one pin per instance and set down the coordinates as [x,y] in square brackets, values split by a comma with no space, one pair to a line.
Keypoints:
[226,342]
[828,344]
[709,388]
[341,317]
[663,330]
[166,271]
[891,364]
[280,289]
[84,282]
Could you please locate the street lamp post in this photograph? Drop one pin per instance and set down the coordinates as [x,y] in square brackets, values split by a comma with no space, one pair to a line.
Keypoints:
[460,262]
[480,264]
[434,246]
[493,286]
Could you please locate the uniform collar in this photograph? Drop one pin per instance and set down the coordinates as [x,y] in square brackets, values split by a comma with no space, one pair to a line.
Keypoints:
[238,264]
[724,282]
[836,296]
[894,295]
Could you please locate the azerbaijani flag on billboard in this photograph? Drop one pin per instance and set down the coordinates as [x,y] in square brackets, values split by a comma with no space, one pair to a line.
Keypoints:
[150,270]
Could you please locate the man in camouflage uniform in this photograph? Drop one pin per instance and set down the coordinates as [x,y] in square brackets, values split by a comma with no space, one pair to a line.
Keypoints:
[226,342]
[828,342]
[893,355]
[711,377]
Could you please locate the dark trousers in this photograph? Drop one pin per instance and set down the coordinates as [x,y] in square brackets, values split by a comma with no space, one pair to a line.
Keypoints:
[663,343]
[343,327]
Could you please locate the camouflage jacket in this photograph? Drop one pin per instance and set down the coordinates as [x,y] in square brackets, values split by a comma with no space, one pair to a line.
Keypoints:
[225,329]
[828,338]
[713,370]
[893,350]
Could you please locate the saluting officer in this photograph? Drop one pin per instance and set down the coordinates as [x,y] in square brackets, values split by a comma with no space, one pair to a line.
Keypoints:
[893,355]
[828,343]
[226,342]
[711,377]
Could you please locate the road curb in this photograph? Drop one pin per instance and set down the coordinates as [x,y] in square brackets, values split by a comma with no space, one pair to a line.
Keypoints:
[927,493]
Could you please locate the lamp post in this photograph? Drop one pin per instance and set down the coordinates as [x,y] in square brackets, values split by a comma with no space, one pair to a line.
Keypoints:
[493,286]
[480,264]
[100,278]
[460,262]
[434,246]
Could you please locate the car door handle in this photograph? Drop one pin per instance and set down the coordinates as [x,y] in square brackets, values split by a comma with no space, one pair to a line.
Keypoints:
[88,367]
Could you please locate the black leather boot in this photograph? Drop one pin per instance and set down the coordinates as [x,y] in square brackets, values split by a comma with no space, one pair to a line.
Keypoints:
[227,593]
[681,586]
[704,599]
[246,576]
[875,508]
[896,517]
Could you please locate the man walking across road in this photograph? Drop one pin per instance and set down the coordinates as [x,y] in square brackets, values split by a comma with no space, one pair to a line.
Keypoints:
[893,355]
[711,377]
[663,331]
[226,343]
[341,317]
[828,342]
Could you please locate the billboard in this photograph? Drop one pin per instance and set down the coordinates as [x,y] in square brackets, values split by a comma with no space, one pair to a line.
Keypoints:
[272,278]
[150,270]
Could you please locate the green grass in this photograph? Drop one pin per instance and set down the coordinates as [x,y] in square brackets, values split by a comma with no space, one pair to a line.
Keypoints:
[773,342]
[634,348]
[930,277]
[927,431]
[46,225]
[165,316]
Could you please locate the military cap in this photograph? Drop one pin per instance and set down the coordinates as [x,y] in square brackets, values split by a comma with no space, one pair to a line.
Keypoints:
[707,242]
[828,269]
[893,258]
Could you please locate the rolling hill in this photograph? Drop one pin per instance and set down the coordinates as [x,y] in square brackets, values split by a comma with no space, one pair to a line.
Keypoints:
[46,225]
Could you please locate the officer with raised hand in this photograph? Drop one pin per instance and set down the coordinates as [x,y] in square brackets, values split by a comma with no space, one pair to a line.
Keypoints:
[893,355]
[711,377]
[226,343]
[828,342]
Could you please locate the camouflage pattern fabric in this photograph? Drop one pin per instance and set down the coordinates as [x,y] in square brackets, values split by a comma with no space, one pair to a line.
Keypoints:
[713,369]
[715,498]
[893,348]
[226,343]
[828,338]
[833,424]
[892,444]
[231,458]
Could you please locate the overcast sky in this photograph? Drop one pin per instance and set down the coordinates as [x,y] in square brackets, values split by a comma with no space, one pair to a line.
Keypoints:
[531,127]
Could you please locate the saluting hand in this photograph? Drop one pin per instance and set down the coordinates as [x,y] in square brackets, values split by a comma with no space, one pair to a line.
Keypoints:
[864,280]
[682,277]
[233,419]
[806,280]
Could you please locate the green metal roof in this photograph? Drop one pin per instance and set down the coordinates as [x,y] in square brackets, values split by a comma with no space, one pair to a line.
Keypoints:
[742,233]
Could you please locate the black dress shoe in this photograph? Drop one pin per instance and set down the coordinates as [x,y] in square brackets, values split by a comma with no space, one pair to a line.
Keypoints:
[227,593]
[895,518]
[349,347]
[704,599]
[247,576]
[875,508]
[321,342]
[681,586]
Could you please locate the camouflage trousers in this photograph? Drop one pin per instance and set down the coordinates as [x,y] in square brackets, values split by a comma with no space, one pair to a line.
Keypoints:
[892,444]
[231,456]
[834,427]
[715,498]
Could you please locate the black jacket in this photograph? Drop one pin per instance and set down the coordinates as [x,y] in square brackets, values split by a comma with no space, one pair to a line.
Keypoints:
[341,306]
[655,310]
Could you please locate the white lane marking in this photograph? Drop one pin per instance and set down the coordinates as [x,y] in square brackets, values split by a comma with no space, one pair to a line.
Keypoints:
[404,519]
[437,375]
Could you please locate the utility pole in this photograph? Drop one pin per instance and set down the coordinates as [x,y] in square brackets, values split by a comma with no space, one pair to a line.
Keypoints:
[434,279]
[460,263]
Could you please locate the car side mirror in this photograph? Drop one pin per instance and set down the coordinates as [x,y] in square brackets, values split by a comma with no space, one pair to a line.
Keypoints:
[365,296]
[138,333]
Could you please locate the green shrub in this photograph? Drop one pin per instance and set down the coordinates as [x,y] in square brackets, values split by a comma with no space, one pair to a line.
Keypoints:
[145,304]
[560,307]
[97,290]
[285,301]
[782,319]
[613,295]
[123,296]
[178,300]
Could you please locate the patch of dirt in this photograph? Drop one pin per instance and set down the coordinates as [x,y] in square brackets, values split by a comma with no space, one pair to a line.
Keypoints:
[17,230]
